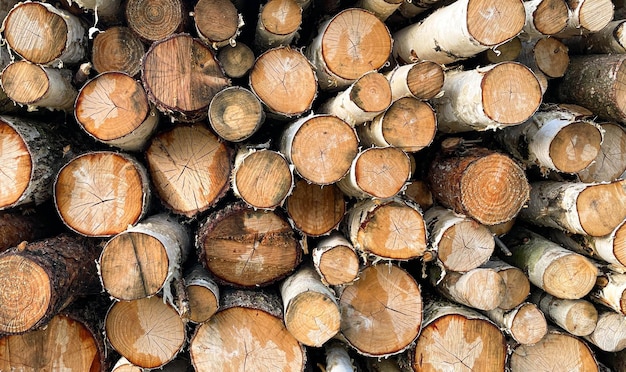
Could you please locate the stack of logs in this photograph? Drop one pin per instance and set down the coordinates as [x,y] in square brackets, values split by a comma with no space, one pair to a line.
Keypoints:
[291,185]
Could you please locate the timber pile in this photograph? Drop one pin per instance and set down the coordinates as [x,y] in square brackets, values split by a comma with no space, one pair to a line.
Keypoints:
[291,185]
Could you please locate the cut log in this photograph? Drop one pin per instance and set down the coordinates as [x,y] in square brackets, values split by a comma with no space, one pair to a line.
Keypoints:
[335,260]
[484,185]
[558,271]
[247,248]
[261,178]
[610,332]
[42,278]
[557,137]
[155,20]
[351,43]
[516,283]
[578,317]
[101,193]
[247,334]
[237,60]
[337,357]
[31,154]
[610,40]
[490,97]
[278,24]
[368,96]
[480,288]
[459,338]
[381,313]
[461,244]
[190,168]
[311,312]
[235,113]
[421,80]
[392,229]
[610,164]
[16,227]
[150,254]
[596,83]
[545,17]
[377,172]
[37,86]
[610,291]
[419,192]
[45,35]
[477,26]
[320,147]
[381,8]
[217,22]
[609,248]
[118,48]
[557,351]
[148,332]
[180,364]
[546,55]
[315,210]
[181,75]
[284,81]
[525,323]
[113,108]
[203,294]
[408,124]
[509,51]
[72,340]
[580,208]
[586,17]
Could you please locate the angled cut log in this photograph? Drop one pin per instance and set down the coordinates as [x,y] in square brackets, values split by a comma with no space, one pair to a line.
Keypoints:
[392,229]
[117,49]
[351,43]
[460,243]
[489,97]
[45,35]
[558,271]
[578,317]
[315,210]
[31,154]
[596,83]
[320,147]
[310,310]
[478,26]
[525,323]
[594,209]
[148,332]
[459,337]
[246,334]
[484,185]
[335,260]
[284,81]
[150,254]
[247,248]
[557,137]
[479,288]
[217,22]
[155,20]
[113,108]
[277,24]
[101,193]
[190,168]
[261,178]
[235,113]
[381,313]
[42,278]
[181,75]
[35,86]
[422,80]
[558,350]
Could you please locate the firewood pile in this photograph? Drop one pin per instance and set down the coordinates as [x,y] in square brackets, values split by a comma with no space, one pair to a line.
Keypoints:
[293,185]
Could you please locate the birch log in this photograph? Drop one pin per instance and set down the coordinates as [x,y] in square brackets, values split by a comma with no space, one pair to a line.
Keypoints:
[546,55]
[479,288]
[610,164]
[109,12]
[610,332]
[515,281]
[421,80]
[525,323]
[578,317]
[381,8]
[278,24]
[315,210]
[610,40]
[477,26]
[545,17]
[203,293]
[335,260]
[610,291]
[587,16]
[490,97]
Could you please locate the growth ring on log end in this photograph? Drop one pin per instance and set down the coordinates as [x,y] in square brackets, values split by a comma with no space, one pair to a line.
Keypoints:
[181,75]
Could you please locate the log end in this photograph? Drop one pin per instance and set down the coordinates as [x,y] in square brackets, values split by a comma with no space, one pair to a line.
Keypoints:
[16,166]
[570,277]
[529,325]
[492,22]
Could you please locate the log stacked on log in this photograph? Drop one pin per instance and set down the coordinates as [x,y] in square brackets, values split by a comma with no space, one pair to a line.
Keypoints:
[275,185]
